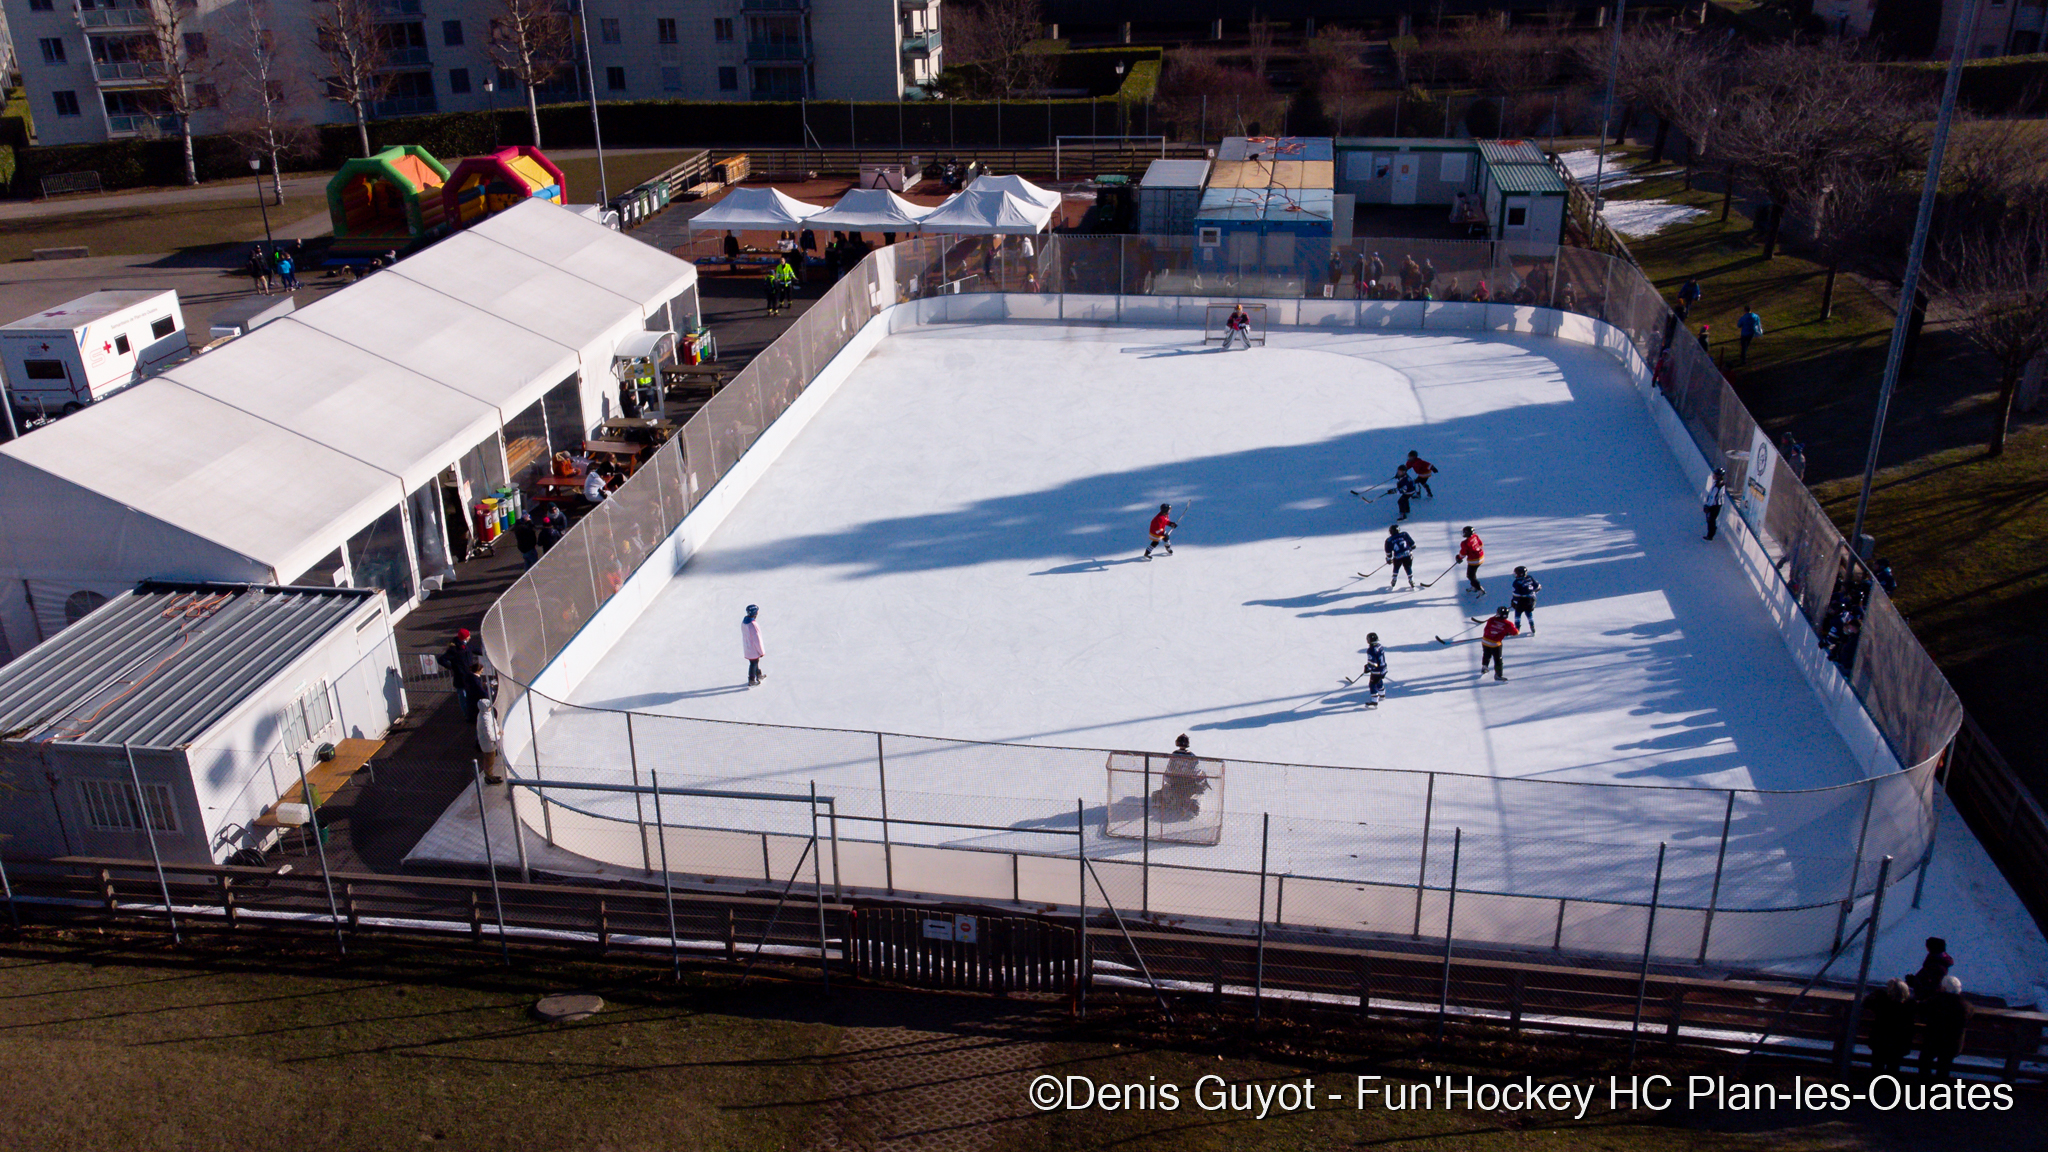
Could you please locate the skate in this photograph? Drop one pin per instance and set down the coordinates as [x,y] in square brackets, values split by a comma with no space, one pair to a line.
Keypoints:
[1411,585]
[1499,677]
[1169,551]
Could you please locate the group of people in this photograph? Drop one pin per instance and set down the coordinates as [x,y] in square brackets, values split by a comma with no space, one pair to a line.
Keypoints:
[539,532]
[476,693]
[1931,998]
[1748,327]
[276,265]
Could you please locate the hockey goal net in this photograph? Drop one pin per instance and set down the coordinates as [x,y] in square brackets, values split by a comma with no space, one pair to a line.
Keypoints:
[1216,325]
[1174,799]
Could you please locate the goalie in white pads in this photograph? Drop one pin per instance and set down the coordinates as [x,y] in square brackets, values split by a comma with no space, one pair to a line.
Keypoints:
[1178,797]
[1239,328]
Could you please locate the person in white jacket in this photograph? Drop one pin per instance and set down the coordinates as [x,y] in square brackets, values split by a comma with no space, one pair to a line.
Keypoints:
[1712,498]
[750,645]
[488,739]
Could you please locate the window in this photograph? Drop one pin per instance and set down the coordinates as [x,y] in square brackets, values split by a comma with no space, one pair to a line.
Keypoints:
[273,91]
[451,33]
[608,30]
[728,79]
[206,95]
[615,79]
[195,45]
[458,81]
[721,29]
[45,369]
[508,80]
[1517,217]
[671,79]
[161,327]
[39,6]
[665,30]
[305,717]
[121,344]
[53,50]
[112,806]
[67,103]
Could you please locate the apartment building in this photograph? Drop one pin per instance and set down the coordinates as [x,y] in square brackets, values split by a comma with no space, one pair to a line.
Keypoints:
[91,75]
[2004,27]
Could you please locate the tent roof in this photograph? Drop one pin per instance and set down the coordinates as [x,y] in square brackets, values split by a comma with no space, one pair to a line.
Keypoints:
[757,209]
[1019,187]
[870,209]
[985,213]
[286,442]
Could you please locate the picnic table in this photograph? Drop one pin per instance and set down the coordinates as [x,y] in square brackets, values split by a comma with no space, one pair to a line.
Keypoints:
[326,778]
[619,450]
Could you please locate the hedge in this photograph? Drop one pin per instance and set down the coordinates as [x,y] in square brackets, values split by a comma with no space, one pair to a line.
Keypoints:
[1999,86]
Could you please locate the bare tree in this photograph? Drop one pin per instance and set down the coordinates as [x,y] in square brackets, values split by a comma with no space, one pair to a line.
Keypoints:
[1259,44]
[174,60]
[1002,38]
[534,41]
[260,91]
[1197,88]
[1856,215]
[347,36]
[1994,275]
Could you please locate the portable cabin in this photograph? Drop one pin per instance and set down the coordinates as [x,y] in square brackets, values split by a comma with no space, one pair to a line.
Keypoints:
[1402,171]
[1169,195]
[63,358]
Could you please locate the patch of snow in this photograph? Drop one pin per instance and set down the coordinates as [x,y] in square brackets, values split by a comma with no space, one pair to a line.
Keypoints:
[1585,164]
[1632,218]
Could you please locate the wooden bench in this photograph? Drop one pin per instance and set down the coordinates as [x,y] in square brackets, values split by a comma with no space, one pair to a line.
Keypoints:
[350,757]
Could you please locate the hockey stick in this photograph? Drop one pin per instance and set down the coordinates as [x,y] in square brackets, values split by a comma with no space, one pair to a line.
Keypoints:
[1360,493]
[1456,636]
[1374,572]
[1442,574]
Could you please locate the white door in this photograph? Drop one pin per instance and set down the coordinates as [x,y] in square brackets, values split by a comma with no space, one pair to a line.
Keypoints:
[1406,170]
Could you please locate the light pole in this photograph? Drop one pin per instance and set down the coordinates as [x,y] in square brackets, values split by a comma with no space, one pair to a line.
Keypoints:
[491,92]
[256,170]
[590,77]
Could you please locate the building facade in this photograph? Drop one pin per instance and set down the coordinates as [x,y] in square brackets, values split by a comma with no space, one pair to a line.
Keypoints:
[2003,28]
[92,73]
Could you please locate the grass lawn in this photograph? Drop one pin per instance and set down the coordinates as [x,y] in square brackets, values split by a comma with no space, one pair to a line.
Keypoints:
[1964,534]
[141,230]
[130,1046]
[622,171]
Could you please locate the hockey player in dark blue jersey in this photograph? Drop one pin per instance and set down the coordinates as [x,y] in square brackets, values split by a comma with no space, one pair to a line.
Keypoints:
[1406,486]
[1375,670]
[1400,548]
[1523,598]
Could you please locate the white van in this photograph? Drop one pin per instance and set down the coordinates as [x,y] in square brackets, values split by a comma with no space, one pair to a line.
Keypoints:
[63,358]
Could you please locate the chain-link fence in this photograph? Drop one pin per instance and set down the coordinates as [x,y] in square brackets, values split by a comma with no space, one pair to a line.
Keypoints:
[1744,874]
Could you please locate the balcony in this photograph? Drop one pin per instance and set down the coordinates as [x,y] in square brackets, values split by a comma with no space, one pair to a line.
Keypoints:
[404,106]
[395,9]
[142,125]
[129,71]
[916,5]
[922,44]
[404,58]
[113,17]
[775,5]
[778,50]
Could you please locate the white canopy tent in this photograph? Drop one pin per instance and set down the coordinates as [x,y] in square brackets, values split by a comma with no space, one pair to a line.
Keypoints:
[988,212]
[1019,187]
[316,447]
[755,209]
[871,210]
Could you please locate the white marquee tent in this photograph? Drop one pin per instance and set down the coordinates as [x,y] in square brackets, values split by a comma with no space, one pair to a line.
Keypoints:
[987,212]
[1019,187]
[871,210]
[755,209]
[315,449]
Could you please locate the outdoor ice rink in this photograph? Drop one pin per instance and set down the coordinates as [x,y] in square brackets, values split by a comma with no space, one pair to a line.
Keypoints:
[952,548]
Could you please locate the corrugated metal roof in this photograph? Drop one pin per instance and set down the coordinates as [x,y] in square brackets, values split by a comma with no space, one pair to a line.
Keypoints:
[1511,152]
[1276,148]
[1533,178]
[1175,174]
[1403,144]
[158,666]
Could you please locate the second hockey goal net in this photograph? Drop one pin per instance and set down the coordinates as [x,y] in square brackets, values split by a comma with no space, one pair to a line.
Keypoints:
[1216,324]
[1174,799]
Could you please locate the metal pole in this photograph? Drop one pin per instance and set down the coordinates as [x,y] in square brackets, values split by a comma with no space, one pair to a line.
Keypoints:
[149,829]
[882,773]
[639,810]
[1259,969]
[319,848]
[1081,946]
[1635,1028]
[1847,1052]
[483,822]
[1422,869]
[1856,865]
[1607,116]
[269,242]
[590,75]
[832,823]
[668,892]
[1443,999]
[1926,858]
[1720,859]
[1910,285]
[818,881]
[518,834]
[1145,848]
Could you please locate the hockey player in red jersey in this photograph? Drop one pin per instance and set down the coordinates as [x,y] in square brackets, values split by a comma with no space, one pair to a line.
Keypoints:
[1498,628]
[1473,553]
[1161,531]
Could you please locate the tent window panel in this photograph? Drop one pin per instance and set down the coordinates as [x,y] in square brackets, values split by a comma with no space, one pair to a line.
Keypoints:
[527,446]
[564,406]
[429,533]
[377,557]
[325,574]
[112,806]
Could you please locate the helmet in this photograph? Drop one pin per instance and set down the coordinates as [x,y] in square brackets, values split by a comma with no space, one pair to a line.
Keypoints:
[1467,530]
[1372,637]
[1521,569]
[753,609]
[1393,528]
[1720,473]
[1166,507]
[1501,611]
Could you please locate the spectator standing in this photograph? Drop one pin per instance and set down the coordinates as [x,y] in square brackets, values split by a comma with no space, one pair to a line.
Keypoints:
[287,271]
[1946,1017]
[1707,339]
[259,269]
[1927,981]
[553,524]
[526,534]
[1794,454]
[1688,295]
[750,645]
[1891,1027]
[489,736]
[732,251]
[1748,327]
